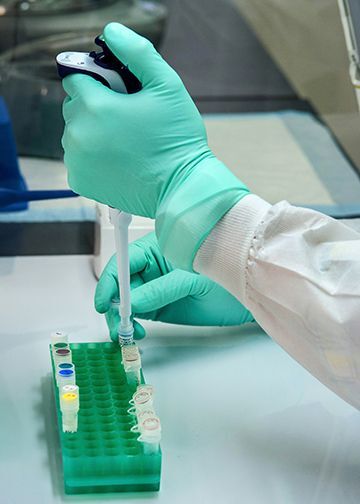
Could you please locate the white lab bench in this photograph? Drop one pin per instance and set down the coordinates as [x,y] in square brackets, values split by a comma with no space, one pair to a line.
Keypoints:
[242,422]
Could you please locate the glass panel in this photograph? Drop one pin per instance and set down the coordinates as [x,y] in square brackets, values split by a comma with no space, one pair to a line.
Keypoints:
[263,70]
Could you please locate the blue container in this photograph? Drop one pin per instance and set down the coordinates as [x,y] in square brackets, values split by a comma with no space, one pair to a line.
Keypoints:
[10,175]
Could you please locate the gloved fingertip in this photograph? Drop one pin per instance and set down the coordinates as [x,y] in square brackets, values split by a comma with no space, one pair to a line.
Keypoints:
[114,335]
[102,304]
[139,331]
[101,307]
[115,31]
[112,28]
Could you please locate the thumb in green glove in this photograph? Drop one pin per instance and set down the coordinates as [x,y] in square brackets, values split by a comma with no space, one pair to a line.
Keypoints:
[160,292]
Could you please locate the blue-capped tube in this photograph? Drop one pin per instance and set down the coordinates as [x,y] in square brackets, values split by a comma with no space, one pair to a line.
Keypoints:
[64,369]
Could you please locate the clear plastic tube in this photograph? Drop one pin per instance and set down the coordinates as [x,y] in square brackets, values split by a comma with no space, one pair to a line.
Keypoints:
[58,337]
[148,423]
[65,377]
[150,434]
[69,405]
[140,401]
[132,362]
[59,345]
[62,355]
[69,388]
[145,387]
[63,366]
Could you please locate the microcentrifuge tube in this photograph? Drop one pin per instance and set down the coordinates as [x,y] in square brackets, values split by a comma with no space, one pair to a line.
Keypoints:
[141,400]
[141,416]
[69,405]
[144,387]
[132,362]
[61,366]
[58,345]
[150,434]
[65,377]
[62,355]
[58,337]
[69,388]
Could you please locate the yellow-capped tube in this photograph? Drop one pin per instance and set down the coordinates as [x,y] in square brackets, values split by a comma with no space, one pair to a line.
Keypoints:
[69,405]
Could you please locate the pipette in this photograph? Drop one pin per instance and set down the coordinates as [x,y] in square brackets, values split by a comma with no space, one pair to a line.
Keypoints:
[121,222]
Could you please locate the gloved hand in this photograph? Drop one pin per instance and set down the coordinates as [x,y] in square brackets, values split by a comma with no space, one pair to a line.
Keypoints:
[146,153]
[160,292]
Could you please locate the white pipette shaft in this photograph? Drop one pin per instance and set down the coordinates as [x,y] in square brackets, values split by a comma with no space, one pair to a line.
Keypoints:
[121,222]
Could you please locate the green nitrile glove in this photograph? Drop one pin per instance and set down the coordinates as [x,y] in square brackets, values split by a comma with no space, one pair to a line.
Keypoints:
[159,292]
[146,153]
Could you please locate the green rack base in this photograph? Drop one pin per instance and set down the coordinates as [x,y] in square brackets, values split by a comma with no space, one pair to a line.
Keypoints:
[104,455]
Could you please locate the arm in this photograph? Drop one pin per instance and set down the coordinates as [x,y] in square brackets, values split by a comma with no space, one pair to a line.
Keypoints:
[298,272]
[147,154]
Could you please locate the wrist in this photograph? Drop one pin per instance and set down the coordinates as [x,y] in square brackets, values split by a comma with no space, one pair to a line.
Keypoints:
[225,255]
[188,214]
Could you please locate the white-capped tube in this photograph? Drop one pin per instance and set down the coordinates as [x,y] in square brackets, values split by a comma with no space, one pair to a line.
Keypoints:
[69,388]
[58,337]
[69,405]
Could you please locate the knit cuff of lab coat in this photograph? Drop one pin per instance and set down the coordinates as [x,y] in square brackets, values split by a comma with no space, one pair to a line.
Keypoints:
[224,254]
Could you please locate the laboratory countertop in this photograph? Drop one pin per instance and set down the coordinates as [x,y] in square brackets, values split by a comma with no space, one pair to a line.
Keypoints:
[242,422]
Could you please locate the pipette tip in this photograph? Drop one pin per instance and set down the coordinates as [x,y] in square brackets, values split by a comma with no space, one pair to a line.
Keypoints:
[126,335]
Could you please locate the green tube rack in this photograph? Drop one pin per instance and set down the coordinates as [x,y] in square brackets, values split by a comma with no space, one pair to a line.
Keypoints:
[104,455]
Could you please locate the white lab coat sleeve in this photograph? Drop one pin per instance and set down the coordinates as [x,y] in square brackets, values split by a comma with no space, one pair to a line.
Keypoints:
[298,272]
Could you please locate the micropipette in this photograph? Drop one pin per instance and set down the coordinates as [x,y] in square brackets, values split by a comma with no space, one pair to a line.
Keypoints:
[105,67]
